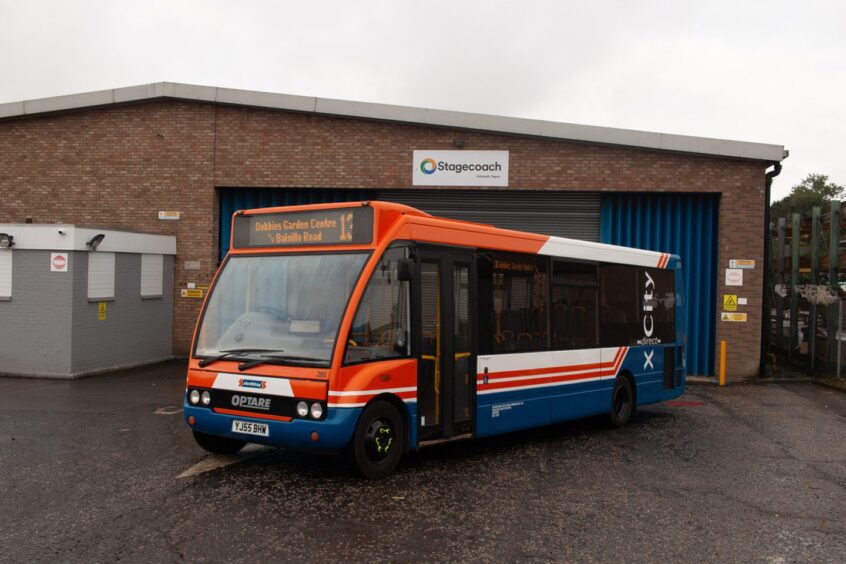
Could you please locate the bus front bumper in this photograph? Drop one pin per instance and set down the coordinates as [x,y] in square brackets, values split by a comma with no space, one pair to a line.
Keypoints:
[334,432]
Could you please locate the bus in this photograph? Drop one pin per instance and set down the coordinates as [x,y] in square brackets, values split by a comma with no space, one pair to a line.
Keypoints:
[374,329]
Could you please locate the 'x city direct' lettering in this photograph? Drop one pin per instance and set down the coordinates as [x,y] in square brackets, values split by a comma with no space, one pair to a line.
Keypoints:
[647,359]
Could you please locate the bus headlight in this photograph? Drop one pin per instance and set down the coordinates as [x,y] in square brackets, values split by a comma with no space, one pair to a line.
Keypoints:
[194,397]
[302,409]
[316,410]
[205,397]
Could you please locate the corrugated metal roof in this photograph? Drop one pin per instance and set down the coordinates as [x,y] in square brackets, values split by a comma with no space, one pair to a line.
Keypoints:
[405,114]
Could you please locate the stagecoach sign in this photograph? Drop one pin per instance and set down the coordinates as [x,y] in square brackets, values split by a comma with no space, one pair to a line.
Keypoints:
[460,168]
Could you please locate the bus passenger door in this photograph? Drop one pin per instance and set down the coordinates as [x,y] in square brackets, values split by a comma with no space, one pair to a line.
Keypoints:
[446,384]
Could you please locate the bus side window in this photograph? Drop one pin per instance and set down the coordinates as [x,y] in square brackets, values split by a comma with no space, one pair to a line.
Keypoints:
[636,304]
[619,305]
[513,303]
[380,329]
[484,298]
[662,288]
[574,305]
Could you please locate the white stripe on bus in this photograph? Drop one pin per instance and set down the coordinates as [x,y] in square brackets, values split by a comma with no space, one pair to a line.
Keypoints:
[572,248]
[362,404]
[371,392]
[533,386]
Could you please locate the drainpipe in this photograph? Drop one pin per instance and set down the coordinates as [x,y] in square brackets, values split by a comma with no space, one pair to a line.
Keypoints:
[765,317]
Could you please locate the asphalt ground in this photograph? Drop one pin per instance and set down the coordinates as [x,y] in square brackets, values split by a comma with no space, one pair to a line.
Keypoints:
[104,469]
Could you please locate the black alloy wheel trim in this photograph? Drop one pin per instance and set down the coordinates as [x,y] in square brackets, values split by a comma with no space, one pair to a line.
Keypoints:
[379,440]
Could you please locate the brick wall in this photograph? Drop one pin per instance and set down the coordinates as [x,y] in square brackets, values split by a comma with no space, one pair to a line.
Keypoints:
[118,166]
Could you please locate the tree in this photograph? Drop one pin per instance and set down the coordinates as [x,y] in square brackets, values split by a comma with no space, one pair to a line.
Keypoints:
[814,190]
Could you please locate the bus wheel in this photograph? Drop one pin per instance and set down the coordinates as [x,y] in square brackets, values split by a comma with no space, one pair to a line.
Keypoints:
[379,440]
[218,445]
[622,402]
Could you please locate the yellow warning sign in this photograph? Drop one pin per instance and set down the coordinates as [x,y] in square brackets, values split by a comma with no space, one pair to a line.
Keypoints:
[101,311]
[726,316]
[730,302]
[192,293]
[741,263]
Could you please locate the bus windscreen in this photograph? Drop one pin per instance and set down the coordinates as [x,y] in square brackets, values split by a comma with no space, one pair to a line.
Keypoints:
[342,226]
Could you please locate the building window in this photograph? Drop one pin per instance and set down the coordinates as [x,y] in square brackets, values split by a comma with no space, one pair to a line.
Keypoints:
[5,274]
[152,274]
[574,305]
[513,303]
[380,329]
[101,276]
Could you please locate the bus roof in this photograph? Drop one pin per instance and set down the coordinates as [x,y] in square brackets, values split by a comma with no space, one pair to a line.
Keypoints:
[400,222]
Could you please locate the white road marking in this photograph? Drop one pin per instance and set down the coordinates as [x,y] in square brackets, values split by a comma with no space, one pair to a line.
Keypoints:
[215,461]
[169,410]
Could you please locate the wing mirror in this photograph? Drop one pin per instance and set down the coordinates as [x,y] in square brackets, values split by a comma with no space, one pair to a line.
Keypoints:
[401,341]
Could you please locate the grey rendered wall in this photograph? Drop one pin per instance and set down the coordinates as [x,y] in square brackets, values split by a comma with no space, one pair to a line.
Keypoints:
[35,325]
[135,330]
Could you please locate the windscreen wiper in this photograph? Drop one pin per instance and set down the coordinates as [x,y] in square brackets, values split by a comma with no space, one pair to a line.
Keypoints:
[276,358]
[232,352]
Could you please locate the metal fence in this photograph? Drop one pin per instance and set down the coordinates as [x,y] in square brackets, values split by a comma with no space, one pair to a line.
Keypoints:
[806,292]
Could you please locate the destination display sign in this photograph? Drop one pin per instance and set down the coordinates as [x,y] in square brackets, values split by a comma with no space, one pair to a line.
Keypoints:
[342,226]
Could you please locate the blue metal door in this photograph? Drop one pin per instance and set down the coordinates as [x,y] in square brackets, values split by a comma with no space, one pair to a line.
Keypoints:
[686,225]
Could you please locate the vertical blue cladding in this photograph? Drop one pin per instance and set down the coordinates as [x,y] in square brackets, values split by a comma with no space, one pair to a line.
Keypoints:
[682,224]
[234,199]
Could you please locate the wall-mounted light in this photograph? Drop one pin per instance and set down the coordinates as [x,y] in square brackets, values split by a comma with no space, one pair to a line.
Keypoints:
[6,241]
[95,241]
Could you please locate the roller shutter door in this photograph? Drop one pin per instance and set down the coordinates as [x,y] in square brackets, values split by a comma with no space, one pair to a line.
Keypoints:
[686,225]
[565,214]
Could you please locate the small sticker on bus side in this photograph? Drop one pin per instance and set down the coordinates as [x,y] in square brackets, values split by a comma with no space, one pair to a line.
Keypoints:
[500,407]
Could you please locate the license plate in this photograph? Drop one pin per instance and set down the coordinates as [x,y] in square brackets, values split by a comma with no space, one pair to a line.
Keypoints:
[251,428]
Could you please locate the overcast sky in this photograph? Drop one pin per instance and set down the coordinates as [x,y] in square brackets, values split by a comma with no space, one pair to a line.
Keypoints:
[766,71]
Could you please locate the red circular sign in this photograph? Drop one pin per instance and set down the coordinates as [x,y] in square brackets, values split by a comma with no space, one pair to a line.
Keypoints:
[59,262]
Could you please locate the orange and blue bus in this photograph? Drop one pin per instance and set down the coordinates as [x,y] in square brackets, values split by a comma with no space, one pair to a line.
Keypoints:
[374,329]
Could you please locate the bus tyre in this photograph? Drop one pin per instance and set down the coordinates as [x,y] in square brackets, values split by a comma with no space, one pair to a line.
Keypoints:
[622,402]
[379,440]
[218,445]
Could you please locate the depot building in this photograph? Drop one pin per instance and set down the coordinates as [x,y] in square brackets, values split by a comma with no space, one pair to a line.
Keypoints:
[177,159]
